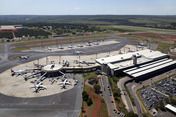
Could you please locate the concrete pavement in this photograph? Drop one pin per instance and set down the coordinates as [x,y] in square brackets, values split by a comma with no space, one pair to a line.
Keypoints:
[111,106]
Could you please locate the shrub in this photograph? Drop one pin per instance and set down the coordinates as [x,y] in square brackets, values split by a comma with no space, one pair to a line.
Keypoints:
[89,102]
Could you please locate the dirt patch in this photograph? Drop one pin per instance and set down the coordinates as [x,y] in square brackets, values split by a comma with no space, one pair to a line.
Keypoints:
[92,111]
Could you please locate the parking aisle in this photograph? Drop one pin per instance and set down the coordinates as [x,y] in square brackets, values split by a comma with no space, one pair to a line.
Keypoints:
[107,94]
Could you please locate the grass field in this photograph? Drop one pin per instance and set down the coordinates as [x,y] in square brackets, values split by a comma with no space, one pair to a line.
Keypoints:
[130,20]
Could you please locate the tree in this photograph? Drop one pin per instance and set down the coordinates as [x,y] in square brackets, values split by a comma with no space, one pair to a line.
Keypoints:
[167,100]
[102,100]
[145,115]
[131,114]
[117,93]
[89,102]
[85,96]
[97,88]
[173,101]
[161,106]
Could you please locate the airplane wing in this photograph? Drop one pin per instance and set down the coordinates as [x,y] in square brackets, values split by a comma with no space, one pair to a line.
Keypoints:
[42,86]
[69,83]
[60,83]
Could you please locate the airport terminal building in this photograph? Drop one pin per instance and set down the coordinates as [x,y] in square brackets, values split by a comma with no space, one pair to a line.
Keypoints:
[138,65]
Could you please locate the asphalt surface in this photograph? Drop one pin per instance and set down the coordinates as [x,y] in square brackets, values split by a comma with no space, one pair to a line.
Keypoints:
[132,92]
[66,104]
[108,98]
[124,92]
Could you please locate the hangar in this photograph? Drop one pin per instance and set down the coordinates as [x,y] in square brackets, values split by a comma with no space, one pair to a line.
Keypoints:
[138,65]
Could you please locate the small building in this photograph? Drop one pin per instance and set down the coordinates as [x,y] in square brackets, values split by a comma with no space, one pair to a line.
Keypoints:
[7,28]
[52,70]
[171,108]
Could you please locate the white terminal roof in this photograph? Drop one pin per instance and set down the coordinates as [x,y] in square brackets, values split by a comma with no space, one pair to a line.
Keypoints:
[7,27]
[52,68]
[170,107]
[150,67]
[124,60]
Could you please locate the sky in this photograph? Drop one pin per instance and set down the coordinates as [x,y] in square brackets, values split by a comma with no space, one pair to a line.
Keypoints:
[87,7]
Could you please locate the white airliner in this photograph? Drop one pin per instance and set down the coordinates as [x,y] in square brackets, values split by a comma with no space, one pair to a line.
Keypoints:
[96,43]
[88,44]
[20,72]
[80,45]
[76,82]
[38,87]
[70,46]
[63,84]
[49,48]
[131,50]
[83,62]
[60,47]
[78,52]
[23,57]
[121,52]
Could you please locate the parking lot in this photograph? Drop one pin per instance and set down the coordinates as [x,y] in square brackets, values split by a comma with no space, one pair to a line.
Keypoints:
[166,87]
[107,94]
[151,95]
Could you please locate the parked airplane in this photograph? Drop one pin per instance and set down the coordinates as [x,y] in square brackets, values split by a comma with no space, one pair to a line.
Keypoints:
[88,44]
[65,63]
[83,62]
[20,72]
[78,52]
[60,47]
[63,77]
[142,44]
[49,48]
[23,57]
[80,45]
[130,50]
[96,43]
[76,82]
[38,65]
[63,84]
[70,46]
[139,46]
[38,87]
[121,52]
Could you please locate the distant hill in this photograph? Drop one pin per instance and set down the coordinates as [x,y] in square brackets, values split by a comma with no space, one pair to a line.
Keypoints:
[168,22]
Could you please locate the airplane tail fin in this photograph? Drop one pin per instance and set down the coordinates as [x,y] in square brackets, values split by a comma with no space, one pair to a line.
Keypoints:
[12,71]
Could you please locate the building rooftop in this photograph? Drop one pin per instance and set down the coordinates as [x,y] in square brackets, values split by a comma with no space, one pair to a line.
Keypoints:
[52,68]
[7,27]
[121,61]
[149,54]
[148,68]
[170,107]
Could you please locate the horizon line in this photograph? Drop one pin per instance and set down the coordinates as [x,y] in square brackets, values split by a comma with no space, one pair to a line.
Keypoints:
[86,15]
